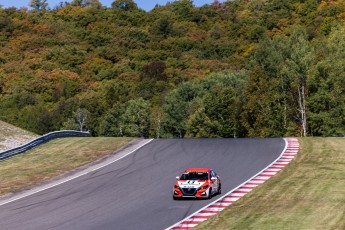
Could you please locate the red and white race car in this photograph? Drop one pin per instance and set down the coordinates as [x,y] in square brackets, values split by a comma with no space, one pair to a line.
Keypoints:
[197,183]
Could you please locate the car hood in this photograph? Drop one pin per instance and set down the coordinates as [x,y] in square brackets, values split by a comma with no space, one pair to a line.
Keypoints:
[190,183]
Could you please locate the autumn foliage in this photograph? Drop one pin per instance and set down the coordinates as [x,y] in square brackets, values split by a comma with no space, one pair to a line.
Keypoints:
[259,68]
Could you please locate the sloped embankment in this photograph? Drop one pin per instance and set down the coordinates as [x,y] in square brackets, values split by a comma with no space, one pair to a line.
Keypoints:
[12,136]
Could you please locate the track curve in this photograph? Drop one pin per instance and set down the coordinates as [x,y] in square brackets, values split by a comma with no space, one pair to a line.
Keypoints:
[135,192]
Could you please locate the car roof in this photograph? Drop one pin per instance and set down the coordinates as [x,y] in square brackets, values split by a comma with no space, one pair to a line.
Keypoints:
[197,170]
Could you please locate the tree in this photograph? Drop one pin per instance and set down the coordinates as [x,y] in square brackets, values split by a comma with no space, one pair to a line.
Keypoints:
[87,3]
[126,5]
[223,103]
[70,124]
[136,118]
[277,91]
[326,104]
[182,8]
[61,5]
[95,4]
[39,5]
[200,125]
[162,27]
[266,109]
[212,105]
[153,80]
[263,107]
[155,70]
[156,118]
[6,25]
[81,117]
[296,68]
[224,106]
[77,3]
[111,123]
[177,108]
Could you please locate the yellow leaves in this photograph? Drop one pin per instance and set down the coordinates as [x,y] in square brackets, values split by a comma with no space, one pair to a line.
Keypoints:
[20,41]
[331,7]
[57,73]
[96,64]
[244,14]
[328,3]
[55,78]
[68,10]
[41,27]
[246,50]
[274,32]
[299,7]
[341,17]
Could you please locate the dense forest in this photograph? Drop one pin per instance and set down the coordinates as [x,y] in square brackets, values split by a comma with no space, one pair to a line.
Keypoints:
[243,68]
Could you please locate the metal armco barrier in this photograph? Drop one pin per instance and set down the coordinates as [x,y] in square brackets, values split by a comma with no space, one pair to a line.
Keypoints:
[41,140]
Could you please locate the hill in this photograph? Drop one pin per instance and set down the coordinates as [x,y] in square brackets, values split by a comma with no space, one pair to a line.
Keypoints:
[11,136]
[234,69]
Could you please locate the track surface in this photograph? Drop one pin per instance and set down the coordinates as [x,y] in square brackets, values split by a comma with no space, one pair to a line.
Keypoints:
[136,191]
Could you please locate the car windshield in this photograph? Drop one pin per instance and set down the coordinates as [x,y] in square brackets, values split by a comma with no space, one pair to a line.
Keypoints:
[194,176]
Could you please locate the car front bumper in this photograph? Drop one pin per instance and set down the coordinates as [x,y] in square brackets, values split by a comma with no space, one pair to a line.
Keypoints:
[190,193]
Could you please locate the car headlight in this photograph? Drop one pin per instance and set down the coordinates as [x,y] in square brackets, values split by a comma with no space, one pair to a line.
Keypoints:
[176,186]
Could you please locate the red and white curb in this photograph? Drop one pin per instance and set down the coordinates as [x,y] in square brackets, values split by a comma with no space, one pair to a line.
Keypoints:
[288,154]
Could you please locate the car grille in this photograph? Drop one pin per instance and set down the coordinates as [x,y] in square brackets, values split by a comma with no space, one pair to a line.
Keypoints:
[189,191]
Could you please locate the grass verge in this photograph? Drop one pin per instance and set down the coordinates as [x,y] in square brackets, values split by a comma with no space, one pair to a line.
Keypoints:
[308,194]
[54,158]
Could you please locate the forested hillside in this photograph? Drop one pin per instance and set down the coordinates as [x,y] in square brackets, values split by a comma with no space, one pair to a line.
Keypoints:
[243,68]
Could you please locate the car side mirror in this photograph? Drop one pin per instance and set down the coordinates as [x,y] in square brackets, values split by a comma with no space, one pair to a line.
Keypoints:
[177,178]
[213,178]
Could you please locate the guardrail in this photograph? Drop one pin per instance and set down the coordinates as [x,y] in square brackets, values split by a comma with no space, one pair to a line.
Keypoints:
[41,140]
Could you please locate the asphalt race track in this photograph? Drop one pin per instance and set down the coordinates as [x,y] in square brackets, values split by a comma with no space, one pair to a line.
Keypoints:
[136,191]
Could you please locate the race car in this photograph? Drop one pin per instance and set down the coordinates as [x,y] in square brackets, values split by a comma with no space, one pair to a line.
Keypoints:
[197,183]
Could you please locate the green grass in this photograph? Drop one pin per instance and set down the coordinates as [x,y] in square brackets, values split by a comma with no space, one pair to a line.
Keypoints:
[11,136]
[54,158]
[308,194]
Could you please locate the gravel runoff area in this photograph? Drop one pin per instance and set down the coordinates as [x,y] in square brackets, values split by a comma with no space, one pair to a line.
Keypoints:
[12,137]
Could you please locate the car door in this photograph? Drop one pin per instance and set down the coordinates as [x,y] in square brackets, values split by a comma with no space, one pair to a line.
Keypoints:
[215,183]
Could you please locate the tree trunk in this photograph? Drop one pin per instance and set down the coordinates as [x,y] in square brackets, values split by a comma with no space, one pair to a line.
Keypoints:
[158,128]
[302,109]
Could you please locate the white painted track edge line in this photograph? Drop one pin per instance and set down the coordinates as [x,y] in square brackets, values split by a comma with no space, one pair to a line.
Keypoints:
[73,177]
[228,193]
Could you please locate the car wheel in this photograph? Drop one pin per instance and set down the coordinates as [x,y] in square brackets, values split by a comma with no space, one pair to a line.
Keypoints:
[219,189]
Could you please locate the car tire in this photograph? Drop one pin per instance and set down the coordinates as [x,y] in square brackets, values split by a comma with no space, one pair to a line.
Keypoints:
[219,189]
